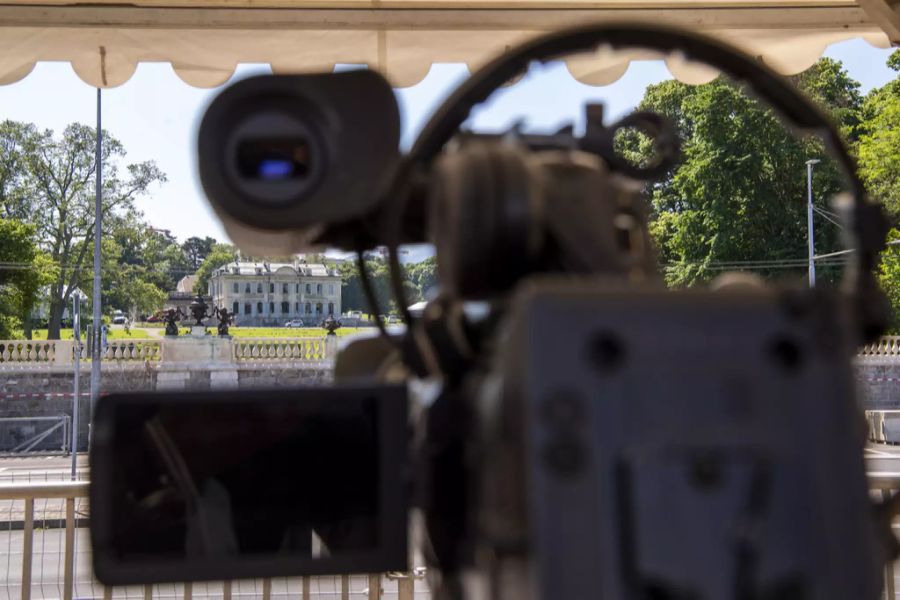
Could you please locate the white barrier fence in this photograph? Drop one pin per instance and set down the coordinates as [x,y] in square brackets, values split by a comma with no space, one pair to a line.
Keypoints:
[46,554]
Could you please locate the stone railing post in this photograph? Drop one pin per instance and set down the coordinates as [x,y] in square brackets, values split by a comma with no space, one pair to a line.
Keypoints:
[331,346]
[64,352]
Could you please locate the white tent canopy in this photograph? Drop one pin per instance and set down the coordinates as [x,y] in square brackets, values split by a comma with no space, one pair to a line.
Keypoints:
[204,40]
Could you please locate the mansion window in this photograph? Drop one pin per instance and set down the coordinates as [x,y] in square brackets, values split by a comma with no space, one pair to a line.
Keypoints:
[247,309]
[331,308]
[236,287]
[259,288]
[259,308]
[308,288]
[318,308]
[284,288]
[247,289]
[235,307]
[331,289]
[285,308]
[271,288]
[308,308]
[271,308]
[319,289]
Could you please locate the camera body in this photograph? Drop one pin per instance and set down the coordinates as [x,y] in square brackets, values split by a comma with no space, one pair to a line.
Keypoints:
[641,443]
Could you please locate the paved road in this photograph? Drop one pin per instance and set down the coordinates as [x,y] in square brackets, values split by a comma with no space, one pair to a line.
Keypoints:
[40,468]
[883,458]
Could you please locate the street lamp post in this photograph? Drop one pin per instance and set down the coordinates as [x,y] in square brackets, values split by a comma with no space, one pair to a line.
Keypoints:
[98,229]
[809,220]
[76,393]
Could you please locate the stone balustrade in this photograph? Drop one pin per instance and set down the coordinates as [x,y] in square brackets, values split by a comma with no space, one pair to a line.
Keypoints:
[292,349]
[20,353]
[129,350]
[886,346]
[16,354]
[31,351]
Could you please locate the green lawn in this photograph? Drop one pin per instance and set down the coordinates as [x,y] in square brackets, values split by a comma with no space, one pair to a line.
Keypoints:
[112,334]
[138,333]
[303,332]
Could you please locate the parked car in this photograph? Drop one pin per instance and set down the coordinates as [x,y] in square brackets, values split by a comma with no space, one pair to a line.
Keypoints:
[118,318]
[295,323]
[153,319]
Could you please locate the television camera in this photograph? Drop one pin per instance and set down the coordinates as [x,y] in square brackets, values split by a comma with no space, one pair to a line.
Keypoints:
[675,444]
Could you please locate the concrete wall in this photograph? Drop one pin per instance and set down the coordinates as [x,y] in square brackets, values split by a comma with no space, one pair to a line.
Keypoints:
[47,391]
[879,382]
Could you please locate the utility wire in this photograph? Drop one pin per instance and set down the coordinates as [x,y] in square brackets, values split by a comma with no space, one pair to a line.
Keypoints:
[825,216]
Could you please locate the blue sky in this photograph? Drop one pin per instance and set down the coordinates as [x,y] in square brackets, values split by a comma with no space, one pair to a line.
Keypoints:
[155,114]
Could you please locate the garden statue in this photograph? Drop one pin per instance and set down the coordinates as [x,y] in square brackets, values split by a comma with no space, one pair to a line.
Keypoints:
[330,324]
[225,319]
[171,318]
[199,310]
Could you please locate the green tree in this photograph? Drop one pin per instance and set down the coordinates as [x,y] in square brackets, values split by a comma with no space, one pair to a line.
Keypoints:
[56,191]
[15,143]
[136,275]
[158,253]
[24,269]
[424,275]
[220,254]
[889,276]
[739,193]
[353,296]
[879,142]
[196,250]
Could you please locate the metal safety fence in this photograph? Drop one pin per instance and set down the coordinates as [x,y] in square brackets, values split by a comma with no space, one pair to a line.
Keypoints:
[884,484]
[45,554]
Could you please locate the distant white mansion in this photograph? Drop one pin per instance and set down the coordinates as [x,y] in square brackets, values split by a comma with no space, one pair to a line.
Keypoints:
[261,294]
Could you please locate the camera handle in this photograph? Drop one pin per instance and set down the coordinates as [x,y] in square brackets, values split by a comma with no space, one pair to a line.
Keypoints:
[867,220]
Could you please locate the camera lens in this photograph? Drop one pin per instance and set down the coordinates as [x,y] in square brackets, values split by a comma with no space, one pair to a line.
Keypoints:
[274,159]
[289,153]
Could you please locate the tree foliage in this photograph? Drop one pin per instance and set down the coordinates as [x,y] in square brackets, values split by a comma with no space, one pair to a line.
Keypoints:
[418,279]
[140,265]
[739,193]
[879,142]
[54,187]
[196,250]
[423,276]
[24,269]
[889,276]
[219,254]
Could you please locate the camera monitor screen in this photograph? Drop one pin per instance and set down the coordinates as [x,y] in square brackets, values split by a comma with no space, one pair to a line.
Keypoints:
[224,485]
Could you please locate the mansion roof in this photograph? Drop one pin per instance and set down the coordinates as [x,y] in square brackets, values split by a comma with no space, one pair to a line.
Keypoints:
[291,269]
